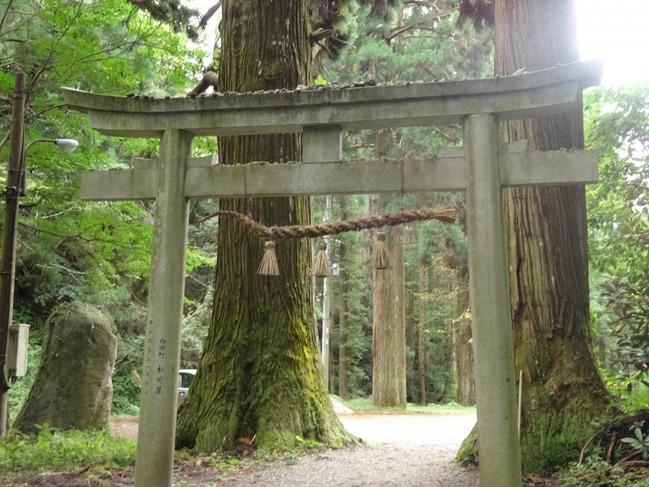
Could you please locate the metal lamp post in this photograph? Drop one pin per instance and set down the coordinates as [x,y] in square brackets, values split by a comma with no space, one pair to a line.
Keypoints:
[15,188]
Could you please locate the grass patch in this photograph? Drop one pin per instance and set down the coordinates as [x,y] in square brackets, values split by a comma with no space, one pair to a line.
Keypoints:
[64,451]
[365,405]
[288,454]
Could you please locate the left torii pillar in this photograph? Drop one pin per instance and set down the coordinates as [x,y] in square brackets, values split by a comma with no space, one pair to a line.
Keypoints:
[158,400]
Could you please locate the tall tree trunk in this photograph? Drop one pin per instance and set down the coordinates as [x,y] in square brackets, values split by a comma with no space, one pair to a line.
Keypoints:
[421,332]
[260,374]
[411,344]
[462,345]
[388,340]
[547,249]
[400,296]
[343,390]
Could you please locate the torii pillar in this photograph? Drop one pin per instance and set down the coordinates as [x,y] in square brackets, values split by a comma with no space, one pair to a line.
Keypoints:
[491,325]
[481,168]
[159,395]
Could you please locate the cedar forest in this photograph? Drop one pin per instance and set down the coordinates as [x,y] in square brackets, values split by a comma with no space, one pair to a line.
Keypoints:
[99,252]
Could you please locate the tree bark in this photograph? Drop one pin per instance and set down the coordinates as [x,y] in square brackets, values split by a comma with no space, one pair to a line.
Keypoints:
[547,250]
[463,345]
[388,340]
[343,389]
[421,332]
[411,342]
[260,375]
[400,295]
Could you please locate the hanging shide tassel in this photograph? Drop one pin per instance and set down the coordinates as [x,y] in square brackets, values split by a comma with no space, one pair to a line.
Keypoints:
[381,258]
[321,265]
[268,265]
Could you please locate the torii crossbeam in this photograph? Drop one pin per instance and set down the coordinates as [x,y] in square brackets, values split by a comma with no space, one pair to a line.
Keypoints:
[481,168]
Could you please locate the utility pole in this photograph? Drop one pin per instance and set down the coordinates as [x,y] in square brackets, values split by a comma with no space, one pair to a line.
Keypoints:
[15,188]
[7,266]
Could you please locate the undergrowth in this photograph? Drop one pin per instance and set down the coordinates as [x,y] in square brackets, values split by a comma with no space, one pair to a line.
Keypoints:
[617,456]
[64,451]
[595,470]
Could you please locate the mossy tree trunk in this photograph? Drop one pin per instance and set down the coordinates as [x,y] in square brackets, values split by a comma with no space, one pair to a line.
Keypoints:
[260,374]
[547,249]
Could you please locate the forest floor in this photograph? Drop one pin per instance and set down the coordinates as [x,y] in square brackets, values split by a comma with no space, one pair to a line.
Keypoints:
[408,450]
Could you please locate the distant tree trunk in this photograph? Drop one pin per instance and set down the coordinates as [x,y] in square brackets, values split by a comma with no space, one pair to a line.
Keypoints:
[463,345]
[388,336]
[400,295]
[562,389]
[260,374]
[411,344]
[421,332]
[343,390]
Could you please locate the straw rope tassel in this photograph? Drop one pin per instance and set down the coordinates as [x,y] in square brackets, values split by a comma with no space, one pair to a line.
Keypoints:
[268,265]
[321,265]
[381,258]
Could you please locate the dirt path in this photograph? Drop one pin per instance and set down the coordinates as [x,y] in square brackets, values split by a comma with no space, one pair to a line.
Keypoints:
[401,450]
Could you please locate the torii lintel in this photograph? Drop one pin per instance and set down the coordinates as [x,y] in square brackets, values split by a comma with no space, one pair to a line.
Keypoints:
[533,94]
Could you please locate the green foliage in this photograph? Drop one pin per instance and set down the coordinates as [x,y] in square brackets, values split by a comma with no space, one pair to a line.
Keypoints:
[441,306]
[126,396]
[105,46]
[224,462]
[64,451]
[288,449]
[615,456]
[413,45]
[307,445]
[126,375]
[69,249]
[639,442]
[173,13]
[596,471]
[195,325]
[320,81]
[617,123]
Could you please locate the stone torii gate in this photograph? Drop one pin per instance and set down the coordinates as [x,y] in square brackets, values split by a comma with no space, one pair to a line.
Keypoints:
[481,168]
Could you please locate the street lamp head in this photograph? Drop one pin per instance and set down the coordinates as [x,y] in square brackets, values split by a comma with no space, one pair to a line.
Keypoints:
[66,145]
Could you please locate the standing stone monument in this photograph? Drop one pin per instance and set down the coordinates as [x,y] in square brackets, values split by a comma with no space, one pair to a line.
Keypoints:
[73,388]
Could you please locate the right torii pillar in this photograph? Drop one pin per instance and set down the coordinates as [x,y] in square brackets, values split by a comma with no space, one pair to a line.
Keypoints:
[495,379]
